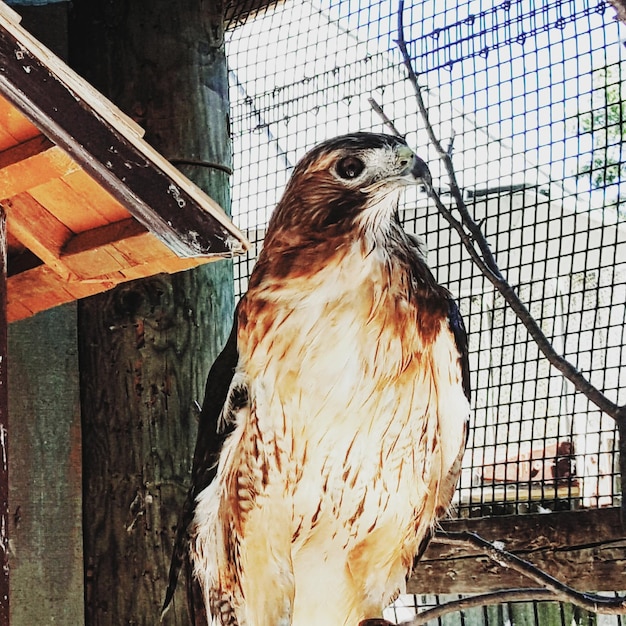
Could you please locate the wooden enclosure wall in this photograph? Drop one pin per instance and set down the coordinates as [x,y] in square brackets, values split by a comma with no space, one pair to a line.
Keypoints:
[45,476]
[45,522]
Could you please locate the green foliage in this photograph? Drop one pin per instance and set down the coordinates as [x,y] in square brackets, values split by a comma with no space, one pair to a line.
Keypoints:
[607,124]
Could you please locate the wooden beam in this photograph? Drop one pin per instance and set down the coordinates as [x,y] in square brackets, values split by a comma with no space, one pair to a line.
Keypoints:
[16,128]
[93,253]
[104,236]
[585,549]
[24,150]
[37,229]
[100,139]
[31,164]
[4,429]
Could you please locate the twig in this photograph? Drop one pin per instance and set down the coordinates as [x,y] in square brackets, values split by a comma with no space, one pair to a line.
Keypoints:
[478,248]
[485,599]
[561,591]
[386,121]
[551,590]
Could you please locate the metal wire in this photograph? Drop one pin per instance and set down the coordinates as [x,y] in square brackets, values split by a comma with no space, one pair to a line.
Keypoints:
[530,91]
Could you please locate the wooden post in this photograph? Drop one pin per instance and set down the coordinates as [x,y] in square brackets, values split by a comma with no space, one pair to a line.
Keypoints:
[145,347]
[45,492]
[4,429]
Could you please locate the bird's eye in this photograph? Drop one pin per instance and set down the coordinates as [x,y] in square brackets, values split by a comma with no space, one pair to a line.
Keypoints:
[350,167]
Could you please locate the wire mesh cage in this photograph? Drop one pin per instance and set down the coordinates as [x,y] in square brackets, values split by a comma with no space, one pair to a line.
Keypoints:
[538,612]
[528,96]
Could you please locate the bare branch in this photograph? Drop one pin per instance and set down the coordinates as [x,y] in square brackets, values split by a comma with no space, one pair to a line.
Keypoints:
[386,121]
[478,247]
[486,599]
[496,597]
[561,591]
[551,590]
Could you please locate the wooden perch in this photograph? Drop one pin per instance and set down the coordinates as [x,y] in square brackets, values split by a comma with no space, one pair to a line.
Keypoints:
[584,549]
[552,589]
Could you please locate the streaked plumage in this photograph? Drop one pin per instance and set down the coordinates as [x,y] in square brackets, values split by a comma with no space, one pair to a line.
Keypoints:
[335,419]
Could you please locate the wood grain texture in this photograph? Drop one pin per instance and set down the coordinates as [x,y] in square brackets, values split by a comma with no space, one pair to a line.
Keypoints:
[4,425]
[145,353]
[146,346]
[585,549]
[45,470]
[102,141]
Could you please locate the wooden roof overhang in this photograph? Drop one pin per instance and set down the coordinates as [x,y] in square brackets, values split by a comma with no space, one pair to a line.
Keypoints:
[89,204]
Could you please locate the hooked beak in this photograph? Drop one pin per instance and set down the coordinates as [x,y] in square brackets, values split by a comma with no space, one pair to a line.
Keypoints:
[415,170]
[420,171]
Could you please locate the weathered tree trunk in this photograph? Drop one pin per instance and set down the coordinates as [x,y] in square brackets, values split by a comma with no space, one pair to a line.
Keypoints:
[145,348]
[4,416]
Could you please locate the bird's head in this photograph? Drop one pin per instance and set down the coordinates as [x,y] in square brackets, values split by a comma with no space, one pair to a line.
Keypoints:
[350,182]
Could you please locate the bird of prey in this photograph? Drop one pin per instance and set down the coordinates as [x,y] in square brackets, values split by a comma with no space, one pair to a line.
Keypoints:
[335,419]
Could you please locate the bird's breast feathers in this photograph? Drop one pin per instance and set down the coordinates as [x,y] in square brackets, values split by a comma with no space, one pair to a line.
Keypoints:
[356,414]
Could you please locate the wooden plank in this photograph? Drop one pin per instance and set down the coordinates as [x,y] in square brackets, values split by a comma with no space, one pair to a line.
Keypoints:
[17,311]
[39,231]
[101,251]
[586,549]
[85,289]
[4,430]
[6,140]
[45,471]
[144,248]
[94,263]
[124,247]
[78,212]
[9,14]
[96,198]
[24,150]
[15,124]
[38,289]
[157,194]
[126,229]
[37,169]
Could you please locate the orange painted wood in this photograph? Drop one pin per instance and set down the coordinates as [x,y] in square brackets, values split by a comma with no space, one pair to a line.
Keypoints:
[94,263]
[142,248]
[36,170]
[136,252]
[72,209]
[16,310]
[32,225]
[102,250]
[13,245]
[27,149]
[77,179]
[15,124]
[95,197]
[105,235]
[39,289]
[85,289]
[6,140]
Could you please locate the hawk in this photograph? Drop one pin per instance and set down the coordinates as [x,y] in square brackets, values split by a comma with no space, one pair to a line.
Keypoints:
[335,418]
